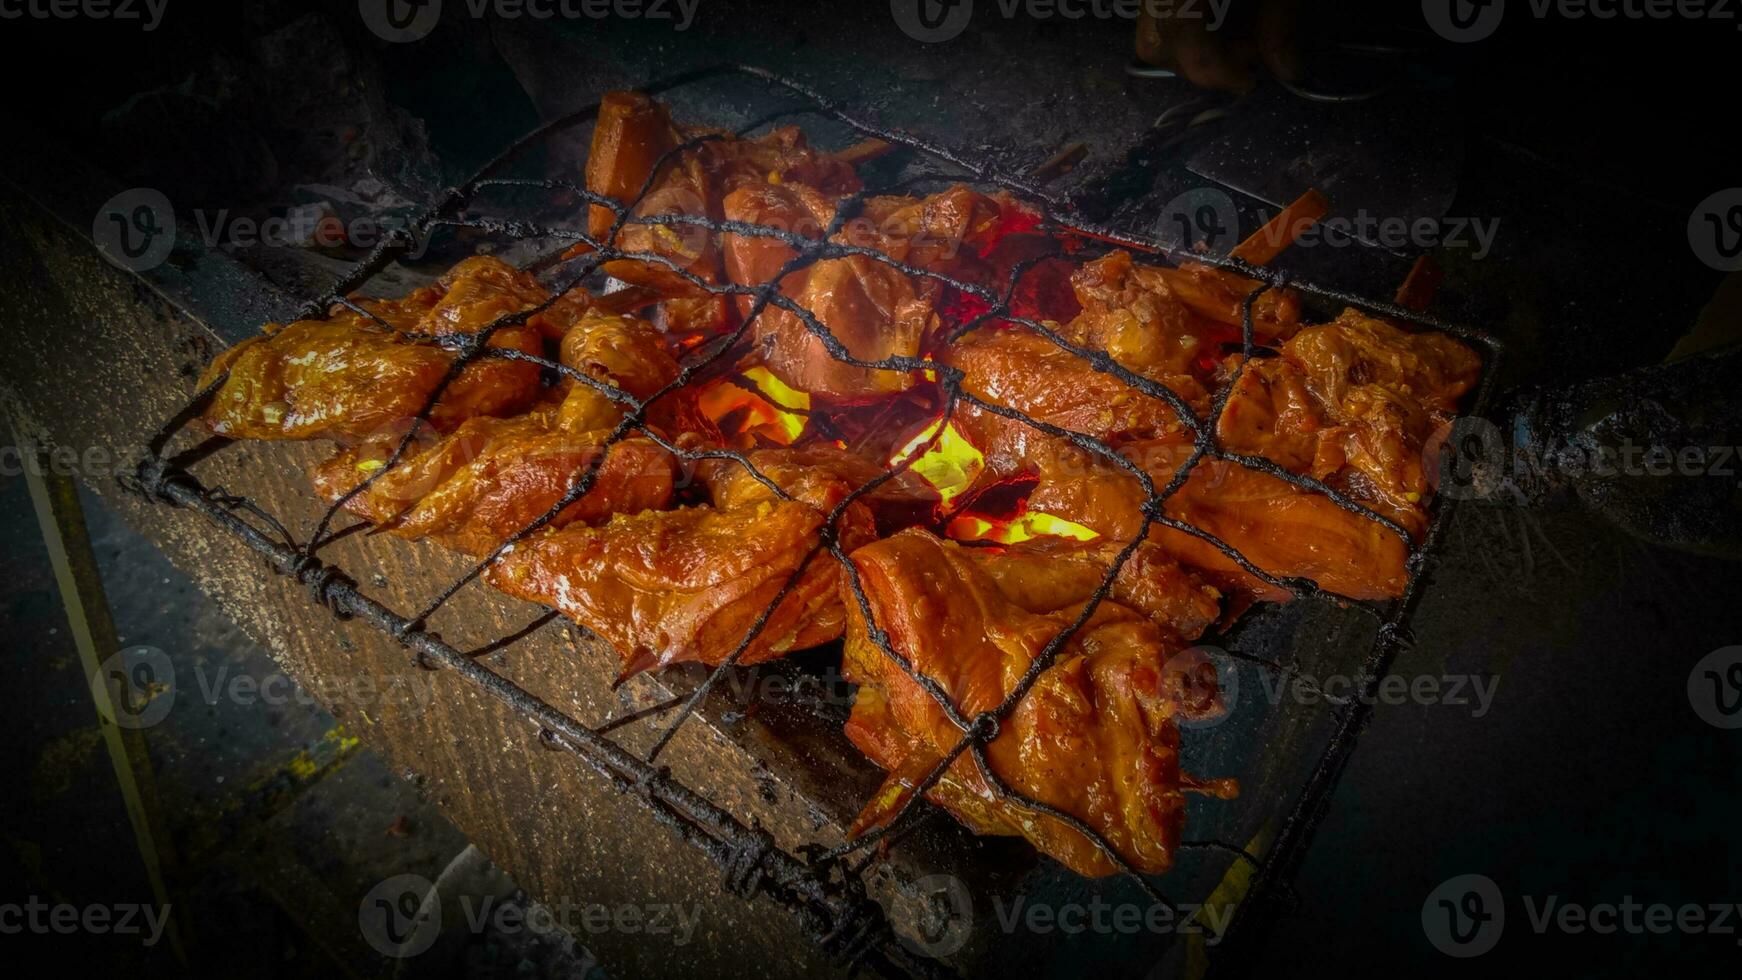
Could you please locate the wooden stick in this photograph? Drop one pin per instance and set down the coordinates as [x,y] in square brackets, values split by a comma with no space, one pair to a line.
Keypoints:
[1420,285]
[625,300]
[865,151]
[1264,245]
[1060,163]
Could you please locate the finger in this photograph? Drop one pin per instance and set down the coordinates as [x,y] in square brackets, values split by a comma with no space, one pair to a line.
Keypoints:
[1279,38]
[1209,60]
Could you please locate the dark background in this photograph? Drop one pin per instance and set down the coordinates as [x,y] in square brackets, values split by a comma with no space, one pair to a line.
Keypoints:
[1592,778]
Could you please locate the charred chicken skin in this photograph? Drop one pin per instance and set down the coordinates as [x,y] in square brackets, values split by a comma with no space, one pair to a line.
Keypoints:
[1096,737]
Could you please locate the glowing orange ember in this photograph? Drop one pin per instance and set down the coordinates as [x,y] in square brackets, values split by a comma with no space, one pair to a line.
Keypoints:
[1030,524]
[950,465]
[767,408]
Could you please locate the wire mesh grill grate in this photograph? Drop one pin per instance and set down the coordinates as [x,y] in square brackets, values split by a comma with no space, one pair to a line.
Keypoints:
[823,886]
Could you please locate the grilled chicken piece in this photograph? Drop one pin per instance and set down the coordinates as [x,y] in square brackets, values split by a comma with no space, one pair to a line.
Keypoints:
[1160,321]
[631,355]
[1096,737]
[1046,575]
[1024,371]
[635,135]
[1280,528]
[490,478]
[351,378]
[874,310]
[688,585]
[1355,403]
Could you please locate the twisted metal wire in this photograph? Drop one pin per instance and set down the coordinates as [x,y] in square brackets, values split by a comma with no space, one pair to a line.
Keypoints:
[745,852]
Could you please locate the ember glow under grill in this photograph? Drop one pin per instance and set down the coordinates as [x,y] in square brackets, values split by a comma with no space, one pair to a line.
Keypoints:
[755,408]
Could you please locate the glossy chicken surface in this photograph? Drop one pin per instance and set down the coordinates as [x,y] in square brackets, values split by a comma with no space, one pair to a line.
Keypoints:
[873,308]
[491,477]
[353,376]
[687,585]
[1096,737]
[1354,402]
[636,147]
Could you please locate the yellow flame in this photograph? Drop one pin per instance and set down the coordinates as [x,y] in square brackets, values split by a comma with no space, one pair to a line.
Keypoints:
[1032,524]
[950,465]
[769,405]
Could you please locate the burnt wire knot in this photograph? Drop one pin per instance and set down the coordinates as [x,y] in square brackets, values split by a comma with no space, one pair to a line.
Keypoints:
[745,874]
[325,582]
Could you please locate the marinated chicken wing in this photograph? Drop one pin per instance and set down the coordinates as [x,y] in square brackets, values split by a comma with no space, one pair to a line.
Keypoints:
[688,585]
[1096,736]
[349,377]
[474,488]
[632,356]
[1353,403]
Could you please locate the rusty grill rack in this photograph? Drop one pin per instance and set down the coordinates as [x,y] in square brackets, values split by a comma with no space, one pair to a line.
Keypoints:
[822,886]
